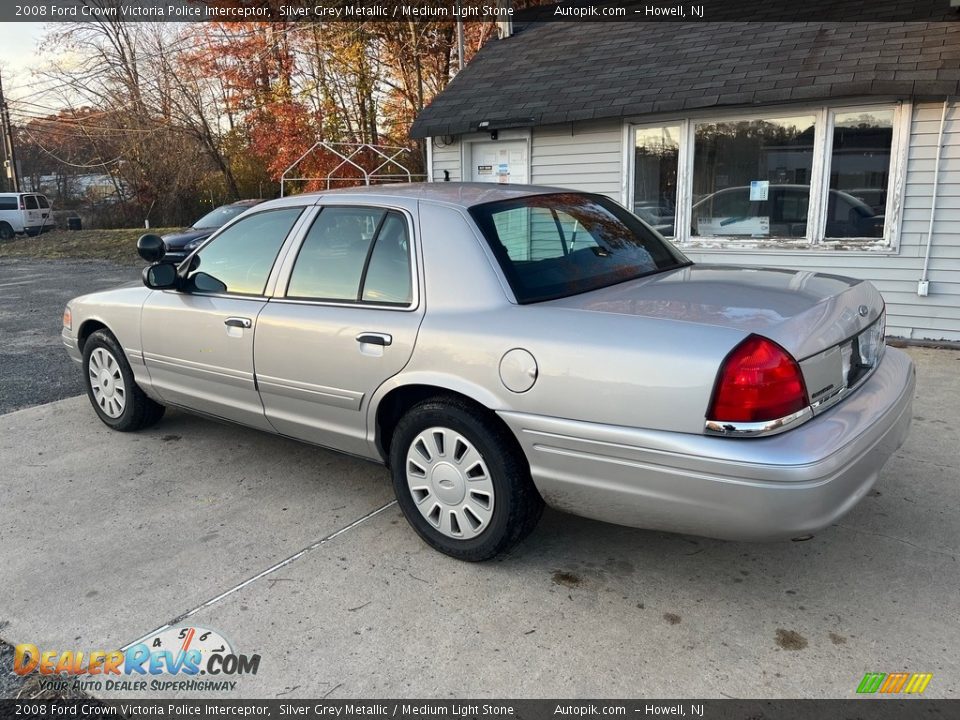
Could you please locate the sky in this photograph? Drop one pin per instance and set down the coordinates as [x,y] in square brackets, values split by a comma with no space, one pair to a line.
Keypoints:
[18,46]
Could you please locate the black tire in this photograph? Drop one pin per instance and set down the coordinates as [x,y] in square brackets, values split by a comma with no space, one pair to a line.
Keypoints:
[6,232]
[139,411]
[517,505]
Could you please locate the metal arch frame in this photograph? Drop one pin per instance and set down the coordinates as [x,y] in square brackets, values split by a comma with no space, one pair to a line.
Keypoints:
[346,152]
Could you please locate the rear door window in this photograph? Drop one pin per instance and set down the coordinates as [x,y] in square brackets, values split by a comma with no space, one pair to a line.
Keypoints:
[354,254]
[42,200]
[30,201]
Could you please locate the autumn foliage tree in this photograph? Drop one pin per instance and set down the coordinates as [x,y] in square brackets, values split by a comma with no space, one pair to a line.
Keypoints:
[179,116]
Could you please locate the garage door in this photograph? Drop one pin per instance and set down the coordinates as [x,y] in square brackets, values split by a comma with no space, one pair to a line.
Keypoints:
[500,162]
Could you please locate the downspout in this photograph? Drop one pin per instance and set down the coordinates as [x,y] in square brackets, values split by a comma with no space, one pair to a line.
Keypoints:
[429,141]
[923,287]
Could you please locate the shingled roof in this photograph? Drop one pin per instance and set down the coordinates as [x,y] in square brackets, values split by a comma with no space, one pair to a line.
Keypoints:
[564,72]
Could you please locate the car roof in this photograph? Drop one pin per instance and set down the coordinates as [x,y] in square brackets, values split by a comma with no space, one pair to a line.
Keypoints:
[453,193]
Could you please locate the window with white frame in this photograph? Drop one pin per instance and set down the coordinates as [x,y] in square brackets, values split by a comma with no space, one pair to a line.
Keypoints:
[655,174]
[810,178]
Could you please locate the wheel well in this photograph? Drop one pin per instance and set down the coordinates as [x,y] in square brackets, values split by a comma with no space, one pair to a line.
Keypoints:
[86,330]
[398,401]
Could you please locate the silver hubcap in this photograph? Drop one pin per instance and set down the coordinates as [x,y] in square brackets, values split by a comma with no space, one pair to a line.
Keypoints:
[450,483]
[106,381]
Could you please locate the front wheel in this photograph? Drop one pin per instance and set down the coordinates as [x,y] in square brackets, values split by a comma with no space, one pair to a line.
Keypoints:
[115,396]
[461,480]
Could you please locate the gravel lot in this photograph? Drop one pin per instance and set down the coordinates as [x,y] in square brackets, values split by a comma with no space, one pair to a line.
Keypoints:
[34,367]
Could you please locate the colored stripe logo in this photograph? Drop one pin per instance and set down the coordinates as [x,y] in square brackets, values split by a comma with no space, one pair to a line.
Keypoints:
[893,683]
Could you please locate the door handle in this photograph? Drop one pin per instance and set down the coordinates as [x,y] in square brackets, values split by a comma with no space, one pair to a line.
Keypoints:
[238,322]
[374,338]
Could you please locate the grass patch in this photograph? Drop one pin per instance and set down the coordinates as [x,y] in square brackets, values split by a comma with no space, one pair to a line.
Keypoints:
[119,246]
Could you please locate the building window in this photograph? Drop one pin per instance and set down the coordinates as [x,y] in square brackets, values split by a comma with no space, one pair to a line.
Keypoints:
[656,159]
[752,177]
[813,178]
[859,173]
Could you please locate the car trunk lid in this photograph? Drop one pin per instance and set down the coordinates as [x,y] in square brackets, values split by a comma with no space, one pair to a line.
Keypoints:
[804,312]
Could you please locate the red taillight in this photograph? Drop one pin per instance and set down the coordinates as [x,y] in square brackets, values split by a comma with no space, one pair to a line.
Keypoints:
[758,381]
[23,205]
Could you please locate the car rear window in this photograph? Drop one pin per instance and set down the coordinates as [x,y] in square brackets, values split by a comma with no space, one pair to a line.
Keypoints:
[561,244]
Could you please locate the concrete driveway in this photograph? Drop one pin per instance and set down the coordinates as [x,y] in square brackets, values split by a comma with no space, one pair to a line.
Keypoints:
[105,537]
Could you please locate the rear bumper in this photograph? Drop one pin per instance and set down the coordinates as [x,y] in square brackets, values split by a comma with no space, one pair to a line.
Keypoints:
[771,488]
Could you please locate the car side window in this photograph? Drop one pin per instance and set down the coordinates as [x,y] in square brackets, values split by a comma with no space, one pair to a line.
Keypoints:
[30,202]
[240,258]
[388,279]
[44,203]
[354,254]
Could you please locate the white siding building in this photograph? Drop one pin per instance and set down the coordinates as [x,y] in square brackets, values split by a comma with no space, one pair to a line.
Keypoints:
[829,147]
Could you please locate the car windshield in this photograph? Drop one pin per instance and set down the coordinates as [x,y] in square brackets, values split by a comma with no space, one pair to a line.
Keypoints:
[219,217]
[561,244]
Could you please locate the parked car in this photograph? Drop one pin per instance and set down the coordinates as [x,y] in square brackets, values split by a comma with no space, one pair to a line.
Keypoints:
[876,198]
[181,243]
[654,213]
[502,346]
[783,214]
[28,213]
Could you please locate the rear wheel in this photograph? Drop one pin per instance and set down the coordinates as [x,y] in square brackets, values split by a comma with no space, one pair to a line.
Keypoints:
[461,480]
[6,232]
[115,396]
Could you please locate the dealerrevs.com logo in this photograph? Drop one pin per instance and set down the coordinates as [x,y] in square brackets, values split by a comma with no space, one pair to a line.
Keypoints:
[178,658]
[894,683]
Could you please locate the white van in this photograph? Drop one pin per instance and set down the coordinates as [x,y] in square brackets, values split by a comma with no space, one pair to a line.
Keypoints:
[28,213]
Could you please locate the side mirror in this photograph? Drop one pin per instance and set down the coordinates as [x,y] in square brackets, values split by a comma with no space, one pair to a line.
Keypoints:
[151,248]
[162,276]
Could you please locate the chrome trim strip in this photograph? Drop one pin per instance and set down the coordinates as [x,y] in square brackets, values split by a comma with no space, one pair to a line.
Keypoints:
[330,303]
[750,429]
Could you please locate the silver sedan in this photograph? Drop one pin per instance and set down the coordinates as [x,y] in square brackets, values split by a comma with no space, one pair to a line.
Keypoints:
[502,347]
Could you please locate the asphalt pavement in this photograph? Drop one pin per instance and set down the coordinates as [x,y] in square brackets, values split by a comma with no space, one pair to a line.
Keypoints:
[34,367]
